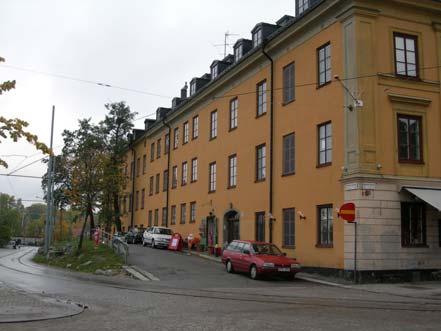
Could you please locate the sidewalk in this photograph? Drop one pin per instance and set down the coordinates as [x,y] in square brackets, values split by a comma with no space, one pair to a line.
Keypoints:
[18,306]
[429,290]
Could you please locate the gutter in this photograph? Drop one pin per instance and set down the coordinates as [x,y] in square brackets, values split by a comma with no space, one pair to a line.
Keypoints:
[271,218]
[167,196]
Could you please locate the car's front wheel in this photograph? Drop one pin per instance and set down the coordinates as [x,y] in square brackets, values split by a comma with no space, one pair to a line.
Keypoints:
[143,243]
[153,243]
[253,272]
[229,267]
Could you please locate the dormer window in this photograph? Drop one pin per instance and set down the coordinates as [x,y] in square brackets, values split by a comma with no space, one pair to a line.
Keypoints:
[214,72]
[192,88]
[257,37]
[303,6]
[238,52]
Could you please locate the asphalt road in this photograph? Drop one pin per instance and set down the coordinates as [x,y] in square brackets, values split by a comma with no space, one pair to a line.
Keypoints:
[195,294]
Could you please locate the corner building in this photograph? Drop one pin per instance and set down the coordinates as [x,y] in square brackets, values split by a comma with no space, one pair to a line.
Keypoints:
[340,103]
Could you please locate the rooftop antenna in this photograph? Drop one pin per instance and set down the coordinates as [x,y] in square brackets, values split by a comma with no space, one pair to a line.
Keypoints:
[225,44]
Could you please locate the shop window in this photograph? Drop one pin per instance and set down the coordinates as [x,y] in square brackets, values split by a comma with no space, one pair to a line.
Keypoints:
[260,226]
[325,226]
[289,232]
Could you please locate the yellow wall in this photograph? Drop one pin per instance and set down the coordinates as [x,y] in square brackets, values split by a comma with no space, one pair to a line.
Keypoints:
[374,126]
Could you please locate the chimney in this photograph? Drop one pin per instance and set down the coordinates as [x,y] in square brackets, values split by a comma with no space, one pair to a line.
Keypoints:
[184,91]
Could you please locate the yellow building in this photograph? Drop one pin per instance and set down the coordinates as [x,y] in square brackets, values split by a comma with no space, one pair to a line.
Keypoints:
[338,104]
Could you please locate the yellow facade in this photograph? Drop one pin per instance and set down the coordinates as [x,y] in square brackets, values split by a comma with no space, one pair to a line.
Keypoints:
[364,138]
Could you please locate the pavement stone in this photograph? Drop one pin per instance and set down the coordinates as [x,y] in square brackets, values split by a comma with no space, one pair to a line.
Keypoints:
[19,306]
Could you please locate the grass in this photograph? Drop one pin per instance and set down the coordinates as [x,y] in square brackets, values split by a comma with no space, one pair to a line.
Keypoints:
[101,257]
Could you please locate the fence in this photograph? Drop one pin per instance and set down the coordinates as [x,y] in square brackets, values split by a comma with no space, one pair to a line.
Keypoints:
[116,243]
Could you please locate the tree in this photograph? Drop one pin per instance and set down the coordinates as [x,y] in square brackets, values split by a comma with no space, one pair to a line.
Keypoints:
[15,128]
[10,218]
[116,126]
[84,156]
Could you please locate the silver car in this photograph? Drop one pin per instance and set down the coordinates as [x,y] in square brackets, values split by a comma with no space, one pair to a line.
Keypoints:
[157,236]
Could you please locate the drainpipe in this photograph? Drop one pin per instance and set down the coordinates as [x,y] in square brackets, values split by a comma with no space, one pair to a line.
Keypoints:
[133,187]
[271,145]
[167,195]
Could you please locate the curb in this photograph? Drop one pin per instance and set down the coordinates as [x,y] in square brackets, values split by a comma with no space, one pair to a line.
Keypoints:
[135,274]
[304,277]
[208,257]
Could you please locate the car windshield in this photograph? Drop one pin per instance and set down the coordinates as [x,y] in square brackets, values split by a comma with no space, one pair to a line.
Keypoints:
[164,231]
[267,249]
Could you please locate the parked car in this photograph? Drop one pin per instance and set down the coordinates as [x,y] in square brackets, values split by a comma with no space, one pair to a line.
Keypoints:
[157,236]
[134,237]
[258,259]
[119,235]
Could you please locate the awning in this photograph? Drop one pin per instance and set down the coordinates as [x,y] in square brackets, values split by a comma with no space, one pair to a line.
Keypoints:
[429,195]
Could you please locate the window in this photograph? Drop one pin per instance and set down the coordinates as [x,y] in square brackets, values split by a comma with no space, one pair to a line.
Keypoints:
[192,88]
[151,185]
[232,171]
[214,72]
[233,113]
[125,204]
[213,124]
[183,213]
[212,177]
[257,37]
[185,137]
[173,215]
[260,162]
[144,164]
[136,200]
[157,183]
[409,139]
[238,52]
[288,154]
[175,177]
[156,217]
[260,226]
[176,138]
[325,226]
[152,152]
[130,203]
[167,143]
[324,64]
[150,218]
[164,216]
[138,166]
[406,55]
[158,149]
[303,5]
[132,165]
[184,173]
[261,98]
[289,227]
[288,83]
[194,170]
[195,133]
[143,198]
[413,224]
[192,212]
[165,180]
[325,144]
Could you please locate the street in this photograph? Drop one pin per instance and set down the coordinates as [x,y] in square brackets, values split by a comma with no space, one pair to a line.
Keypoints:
[196,294]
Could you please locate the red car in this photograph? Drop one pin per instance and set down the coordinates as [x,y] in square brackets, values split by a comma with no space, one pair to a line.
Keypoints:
[258,259]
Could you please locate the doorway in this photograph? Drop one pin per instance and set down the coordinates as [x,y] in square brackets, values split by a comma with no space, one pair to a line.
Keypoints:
[231,226]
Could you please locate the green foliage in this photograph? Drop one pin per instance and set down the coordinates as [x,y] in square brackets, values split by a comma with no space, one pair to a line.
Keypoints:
[11,212]
[102,257]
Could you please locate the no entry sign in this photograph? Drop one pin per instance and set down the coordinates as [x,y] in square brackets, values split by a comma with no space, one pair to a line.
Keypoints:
[347,212]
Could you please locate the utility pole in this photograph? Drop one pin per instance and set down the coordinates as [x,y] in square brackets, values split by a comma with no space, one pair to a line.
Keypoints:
[49,199]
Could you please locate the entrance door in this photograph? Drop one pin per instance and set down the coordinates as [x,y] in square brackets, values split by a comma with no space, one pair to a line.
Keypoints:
[232,226]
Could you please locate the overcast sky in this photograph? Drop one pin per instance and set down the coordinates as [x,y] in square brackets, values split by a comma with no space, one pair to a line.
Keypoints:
[152,46]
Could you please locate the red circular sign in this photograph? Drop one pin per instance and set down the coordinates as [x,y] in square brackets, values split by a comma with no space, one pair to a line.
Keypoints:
[347,212]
